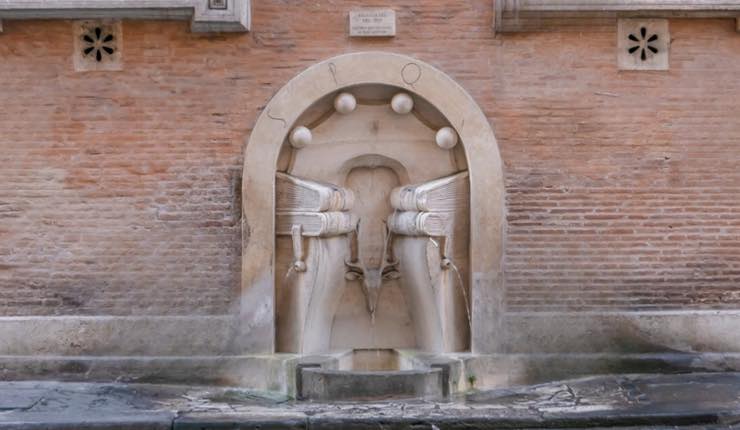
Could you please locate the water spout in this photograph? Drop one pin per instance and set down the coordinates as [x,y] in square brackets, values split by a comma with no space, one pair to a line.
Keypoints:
[462,289]
[291,270]
[446,264]
[372,278]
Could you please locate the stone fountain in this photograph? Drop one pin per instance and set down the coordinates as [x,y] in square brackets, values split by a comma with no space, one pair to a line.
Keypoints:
[373,255]
[372,210]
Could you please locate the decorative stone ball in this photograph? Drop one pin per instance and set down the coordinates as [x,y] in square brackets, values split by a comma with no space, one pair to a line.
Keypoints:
[345,103]
[300,137]
[402,103]
[446,138]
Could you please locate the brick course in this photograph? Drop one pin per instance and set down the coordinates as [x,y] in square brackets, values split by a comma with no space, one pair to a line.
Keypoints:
[119,190]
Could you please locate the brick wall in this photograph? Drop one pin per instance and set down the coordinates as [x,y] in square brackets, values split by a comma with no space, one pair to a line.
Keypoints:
[623,188]
[119,190]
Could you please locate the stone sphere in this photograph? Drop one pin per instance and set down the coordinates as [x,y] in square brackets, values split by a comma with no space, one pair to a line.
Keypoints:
[300,137]
[446,138]
[402,103]
[345,103]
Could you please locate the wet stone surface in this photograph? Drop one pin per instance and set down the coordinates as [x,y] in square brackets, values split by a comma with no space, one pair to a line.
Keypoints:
[629,401]
[19,398]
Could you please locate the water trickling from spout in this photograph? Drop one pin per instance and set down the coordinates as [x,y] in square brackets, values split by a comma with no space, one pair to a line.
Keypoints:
[372,318]
[464,293]
[447,262]
[373,338]
[291,270]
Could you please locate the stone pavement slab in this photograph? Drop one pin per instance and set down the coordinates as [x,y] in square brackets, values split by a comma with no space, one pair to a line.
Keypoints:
[14,398]
[55,405]
[262,421]
[687,402]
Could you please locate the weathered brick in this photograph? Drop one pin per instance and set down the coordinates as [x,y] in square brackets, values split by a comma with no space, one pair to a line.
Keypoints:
[119,190]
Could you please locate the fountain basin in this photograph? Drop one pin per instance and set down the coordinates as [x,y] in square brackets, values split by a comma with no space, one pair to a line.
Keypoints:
[371,374]
[376,360]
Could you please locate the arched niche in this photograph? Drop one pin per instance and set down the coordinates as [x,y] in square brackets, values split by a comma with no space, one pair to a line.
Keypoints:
[259,273]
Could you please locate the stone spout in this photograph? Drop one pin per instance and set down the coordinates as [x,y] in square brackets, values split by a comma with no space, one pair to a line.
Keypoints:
[372,278]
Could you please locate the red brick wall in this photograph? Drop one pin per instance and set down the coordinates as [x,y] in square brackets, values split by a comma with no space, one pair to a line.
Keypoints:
[623,188]
[118,190]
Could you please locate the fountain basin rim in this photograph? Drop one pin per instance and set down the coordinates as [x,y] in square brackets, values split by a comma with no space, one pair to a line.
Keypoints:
[372,372]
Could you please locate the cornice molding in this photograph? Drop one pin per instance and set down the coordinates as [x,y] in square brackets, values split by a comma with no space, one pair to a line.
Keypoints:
[235,18]
[537,15]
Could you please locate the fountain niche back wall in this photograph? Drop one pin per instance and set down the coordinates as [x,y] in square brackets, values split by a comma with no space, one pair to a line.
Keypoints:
[372,214]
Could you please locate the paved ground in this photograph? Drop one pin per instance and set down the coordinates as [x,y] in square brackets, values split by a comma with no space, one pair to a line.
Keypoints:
[696,401]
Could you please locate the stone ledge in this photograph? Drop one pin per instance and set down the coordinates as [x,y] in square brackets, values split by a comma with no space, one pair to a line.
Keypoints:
[553,332]
[237,18]
[266,372]
[110,335]
[539,15]
[138,421]
[622,332]
[506,370]
[274,372]
[688,401]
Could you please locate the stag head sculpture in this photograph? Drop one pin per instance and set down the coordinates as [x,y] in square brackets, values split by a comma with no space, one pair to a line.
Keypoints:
[372,278]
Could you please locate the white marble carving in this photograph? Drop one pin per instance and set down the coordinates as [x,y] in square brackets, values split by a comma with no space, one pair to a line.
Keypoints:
[371,277]
[367,211]
[345,103]
[304,195]
[440,195]
[402,103]
[431,222]
[300,137]
[315,218]
[315,224]
[377,139]
[446,138]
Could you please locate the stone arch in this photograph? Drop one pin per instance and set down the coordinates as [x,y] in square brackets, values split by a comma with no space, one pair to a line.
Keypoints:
[487,208]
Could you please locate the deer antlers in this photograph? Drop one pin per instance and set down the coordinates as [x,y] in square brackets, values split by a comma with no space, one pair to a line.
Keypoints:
[372,279]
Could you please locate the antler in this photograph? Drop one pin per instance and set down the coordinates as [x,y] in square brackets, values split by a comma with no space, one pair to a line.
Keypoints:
[389,268]
[372,279]
[356,268]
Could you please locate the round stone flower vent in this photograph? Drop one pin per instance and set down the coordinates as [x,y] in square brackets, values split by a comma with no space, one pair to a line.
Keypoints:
[643,44]
[97,45]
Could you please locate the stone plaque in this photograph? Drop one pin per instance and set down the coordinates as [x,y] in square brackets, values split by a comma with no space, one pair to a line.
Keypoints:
[372,23]
[218,4]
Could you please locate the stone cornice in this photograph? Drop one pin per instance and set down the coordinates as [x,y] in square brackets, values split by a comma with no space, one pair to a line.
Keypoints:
[235,18]
[534,15]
